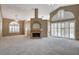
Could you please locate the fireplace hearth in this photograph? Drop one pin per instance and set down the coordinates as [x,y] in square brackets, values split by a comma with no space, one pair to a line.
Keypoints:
[35,34]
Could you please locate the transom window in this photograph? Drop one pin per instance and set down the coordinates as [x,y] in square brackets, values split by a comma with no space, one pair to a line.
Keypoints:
[62,14]
[13,27]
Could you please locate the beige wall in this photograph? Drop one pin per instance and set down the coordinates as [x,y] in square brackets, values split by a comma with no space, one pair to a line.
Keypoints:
[22,30]
[5,25]
[0,23]
[44,28]
[27,28]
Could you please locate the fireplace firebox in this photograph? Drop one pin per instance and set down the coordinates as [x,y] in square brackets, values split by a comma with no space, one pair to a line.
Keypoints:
[35,34]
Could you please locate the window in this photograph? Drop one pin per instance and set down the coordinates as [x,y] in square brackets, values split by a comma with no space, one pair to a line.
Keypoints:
[59,29]
[72,29]
[52,29]
[63,29]
[55,29]
[13,27]
[63,24]
[62,15]
[67,27]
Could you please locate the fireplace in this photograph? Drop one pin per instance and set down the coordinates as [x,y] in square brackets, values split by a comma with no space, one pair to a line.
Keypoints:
[38,26]
[35,34]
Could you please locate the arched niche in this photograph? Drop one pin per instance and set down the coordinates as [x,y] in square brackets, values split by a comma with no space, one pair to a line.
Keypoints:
[36,26]
[62,14]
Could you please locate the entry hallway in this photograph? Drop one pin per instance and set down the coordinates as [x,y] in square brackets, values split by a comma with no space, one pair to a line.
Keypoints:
[21,45]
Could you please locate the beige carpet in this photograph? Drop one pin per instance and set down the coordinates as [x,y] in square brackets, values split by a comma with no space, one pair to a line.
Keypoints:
[21,45]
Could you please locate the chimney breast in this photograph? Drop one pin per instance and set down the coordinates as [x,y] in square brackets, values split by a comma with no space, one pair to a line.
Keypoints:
[36,12]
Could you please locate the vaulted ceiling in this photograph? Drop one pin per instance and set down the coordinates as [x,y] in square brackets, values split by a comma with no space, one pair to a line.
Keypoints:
[26,11]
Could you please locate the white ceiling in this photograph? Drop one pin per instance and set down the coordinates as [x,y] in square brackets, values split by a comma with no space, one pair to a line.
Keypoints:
[26,11]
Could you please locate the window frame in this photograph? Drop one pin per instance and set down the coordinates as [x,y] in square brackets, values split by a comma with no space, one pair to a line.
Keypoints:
[66,28]
[14,27]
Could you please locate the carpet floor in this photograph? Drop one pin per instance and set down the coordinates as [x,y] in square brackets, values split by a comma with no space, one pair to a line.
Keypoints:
[21,45]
